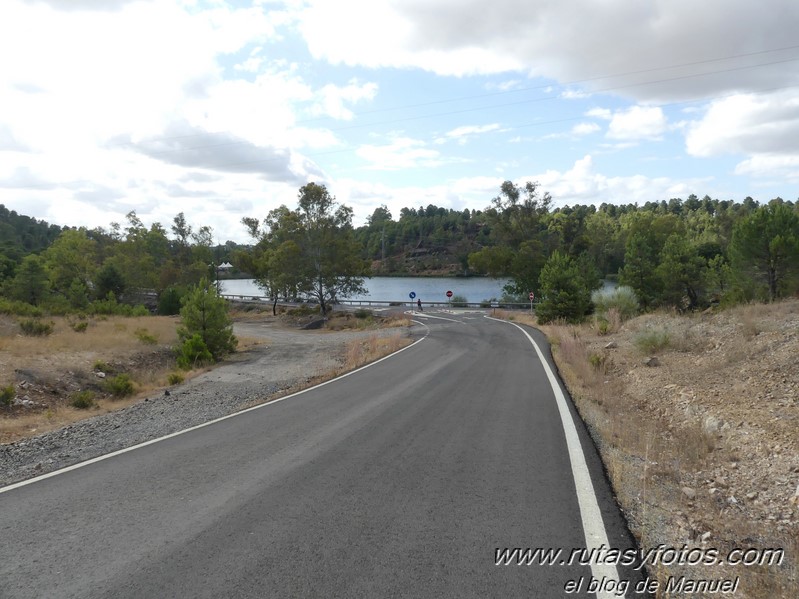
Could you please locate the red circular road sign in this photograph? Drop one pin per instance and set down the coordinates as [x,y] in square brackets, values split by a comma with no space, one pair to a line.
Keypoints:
[449,294]
[532,296]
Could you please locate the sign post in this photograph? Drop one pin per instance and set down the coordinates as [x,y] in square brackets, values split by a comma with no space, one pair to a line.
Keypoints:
[412,295]
[532,297]
[449,298]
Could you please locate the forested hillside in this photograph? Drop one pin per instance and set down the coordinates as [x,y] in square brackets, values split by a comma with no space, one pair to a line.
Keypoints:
[21,235]
[66,269]
[429,240]
[686,253]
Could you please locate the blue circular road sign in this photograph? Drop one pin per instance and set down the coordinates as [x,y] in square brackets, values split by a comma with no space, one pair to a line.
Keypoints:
[412,294]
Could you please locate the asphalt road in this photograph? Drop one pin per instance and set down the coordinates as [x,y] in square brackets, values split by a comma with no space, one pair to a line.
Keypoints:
[401,480]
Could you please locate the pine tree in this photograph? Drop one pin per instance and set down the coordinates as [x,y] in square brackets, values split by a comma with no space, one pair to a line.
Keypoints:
[204,313]
[565,293]
[765,248]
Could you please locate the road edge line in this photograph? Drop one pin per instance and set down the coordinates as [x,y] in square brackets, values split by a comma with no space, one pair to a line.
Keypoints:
[596,536]
[106,456]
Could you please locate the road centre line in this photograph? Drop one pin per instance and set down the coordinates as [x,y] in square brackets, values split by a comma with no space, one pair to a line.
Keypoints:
[596,537]
[106,456]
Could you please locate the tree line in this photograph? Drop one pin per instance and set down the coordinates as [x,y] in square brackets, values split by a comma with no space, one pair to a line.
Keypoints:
[688,254]
[69,269]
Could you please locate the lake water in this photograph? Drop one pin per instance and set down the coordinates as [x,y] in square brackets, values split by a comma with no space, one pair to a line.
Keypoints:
[387,289]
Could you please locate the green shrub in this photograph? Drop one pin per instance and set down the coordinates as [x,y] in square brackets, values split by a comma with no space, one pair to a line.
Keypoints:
[193,352]
[108,306]
[362,313]
[169,300]
[139,310]
[204,313]
[7,395]
[36,328]
[111,307]
[18,308]
[145,336]
[596,360]
[621,298]
[57,305]
[174,378]
[652,340]
[80,327]
[602,325]
[119,386]
[83,400]
[303,310]
[458,301]
[565,290]
[102,366]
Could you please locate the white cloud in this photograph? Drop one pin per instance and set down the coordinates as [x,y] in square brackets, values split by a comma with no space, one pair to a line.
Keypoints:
[637,122]
[762,127]
[782,168]
[466,132]
[641,44]
[574,94]
[101,5]
[600,113]
[505,86]
[401,152]
[471,130]
[186,146]
[583,185]
[585,128]
[333,98]
[385,33]
[113,72]
[747,123]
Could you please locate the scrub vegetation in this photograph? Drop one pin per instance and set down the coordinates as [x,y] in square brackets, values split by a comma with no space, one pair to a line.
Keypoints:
[700,444]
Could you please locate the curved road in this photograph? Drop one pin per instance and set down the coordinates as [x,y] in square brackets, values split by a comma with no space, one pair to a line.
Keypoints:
[400,480]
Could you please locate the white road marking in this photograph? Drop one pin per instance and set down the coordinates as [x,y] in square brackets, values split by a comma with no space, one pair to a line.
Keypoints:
[423,315]
[30,481]
[596,537]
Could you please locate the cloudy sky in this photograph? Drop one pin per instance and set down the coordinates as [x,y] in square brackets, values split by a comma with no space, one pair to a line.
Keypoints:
[223,109]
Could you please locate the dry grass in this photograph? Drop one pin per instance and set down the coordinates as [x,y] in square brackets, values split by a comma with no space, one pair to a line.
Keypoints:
[522,317]
[57,365]
[356,353]
[608,323]
[109,334]
[363,351]
[364,320]
[56,417]
[756,318]
[652,449]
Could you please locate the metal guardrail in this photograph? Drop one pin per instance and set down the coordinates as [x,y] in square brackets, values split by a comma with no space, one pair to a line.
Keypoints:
[389,303]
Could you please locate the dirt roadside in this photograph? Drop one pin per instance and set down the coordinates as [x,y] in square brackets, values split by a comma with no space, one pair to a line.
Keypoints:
[697,420]
[279,358]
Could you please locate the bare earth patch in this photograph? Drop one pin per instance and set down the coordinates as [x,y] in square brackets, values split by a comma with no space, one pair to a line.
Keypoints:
[45,371]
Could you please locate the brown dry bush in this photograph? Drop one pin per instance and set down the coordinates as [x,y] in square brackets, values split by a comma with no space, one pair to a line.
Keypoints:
[359,352]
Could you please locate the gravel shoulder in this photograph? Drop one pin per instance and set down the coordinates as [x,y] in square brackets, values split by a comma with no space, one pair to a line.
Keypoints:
[288,357]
